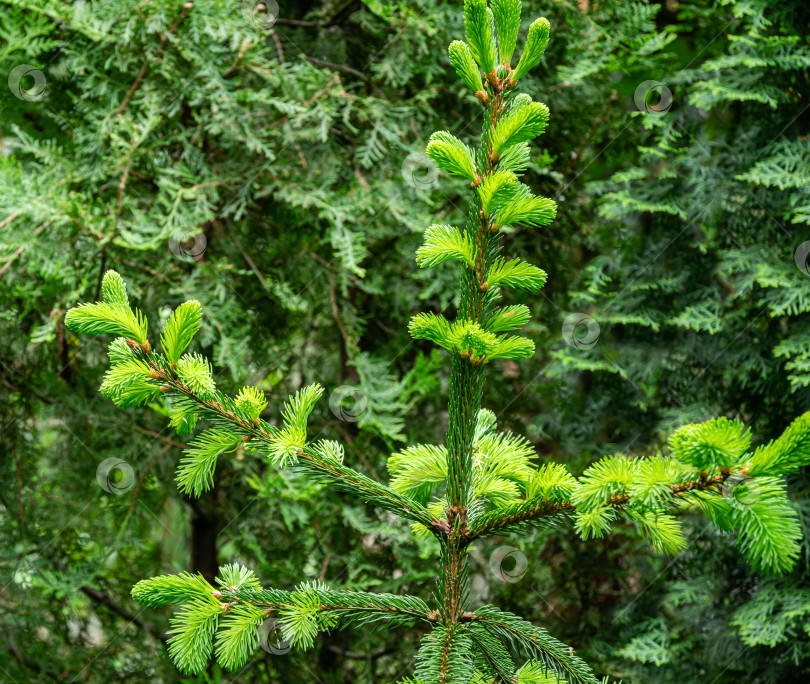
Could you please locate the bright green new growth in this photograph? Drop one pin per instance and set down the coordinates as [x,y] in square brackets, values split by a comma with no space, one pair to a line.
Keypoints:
[479,23]
[536,43]
[451,155]
[478,483]
[522,123]
[110,316]
[113,289]
[507,18]
[461,57]
[252,401]
[182,325]
[718,442]
[443,243]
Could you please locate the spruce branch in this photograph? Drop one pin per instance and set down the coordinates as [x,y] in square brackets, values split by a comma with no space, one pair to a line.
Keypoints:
[516,204]
[515,273]
[139,374]
[508,318]
[786,454]
[113,289]
[643,490]
[301,614]
[719,442]
[445,657]
[553,654]
[444,243]
[106,318]
[532,512]
[475,479]
[492,659]
[234,612]
[195,474]
[191,635]
[346,607]
[515,158]
[495,187]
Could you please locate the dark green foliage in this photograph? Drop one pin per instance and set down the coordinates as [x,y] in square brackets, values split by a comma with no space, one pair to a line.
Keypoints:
[693,274]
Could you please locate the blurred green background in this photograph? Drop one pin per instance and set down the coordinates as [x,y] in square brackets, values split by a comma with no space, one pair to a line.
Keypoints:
[268,161]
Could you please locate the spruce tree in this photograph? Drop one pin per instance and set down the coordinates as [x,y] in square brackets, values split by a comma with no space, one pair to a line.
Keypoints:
[480,482]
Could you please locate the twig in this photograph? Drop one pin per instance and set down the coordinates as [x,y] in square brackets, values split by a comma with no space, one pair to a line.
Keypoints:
[325,566]
[331,267]
[25,661]
[18,469]
[344,333]
[137,490]
[19,390]
[299,22]
[105,600]
[349,70]
[8,219]
[120,109]
[122,184]
[22,247]
[335,78]
[142,72]
[249,261]
[246,45]
[279,48]
[162,438]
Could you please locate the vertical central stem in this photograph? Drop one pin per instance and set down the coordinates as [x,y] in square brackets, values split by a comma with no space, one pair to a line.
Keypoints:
[466,384]
[464,401]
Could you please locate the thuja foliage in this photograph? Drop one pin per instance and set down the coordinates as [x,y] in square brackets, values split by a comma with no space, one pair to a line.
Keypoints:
[480,482]
[704,245]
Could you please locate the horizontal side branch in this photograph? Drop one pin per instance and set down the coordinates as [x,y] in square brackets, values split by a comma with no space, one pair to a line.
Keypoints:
[540,511]
[331,471]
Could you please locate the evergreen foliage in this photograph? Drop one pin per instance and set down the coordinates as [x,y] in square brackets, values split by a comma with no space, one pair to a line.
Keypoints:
[484,479]
[694,248]
[284,154]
